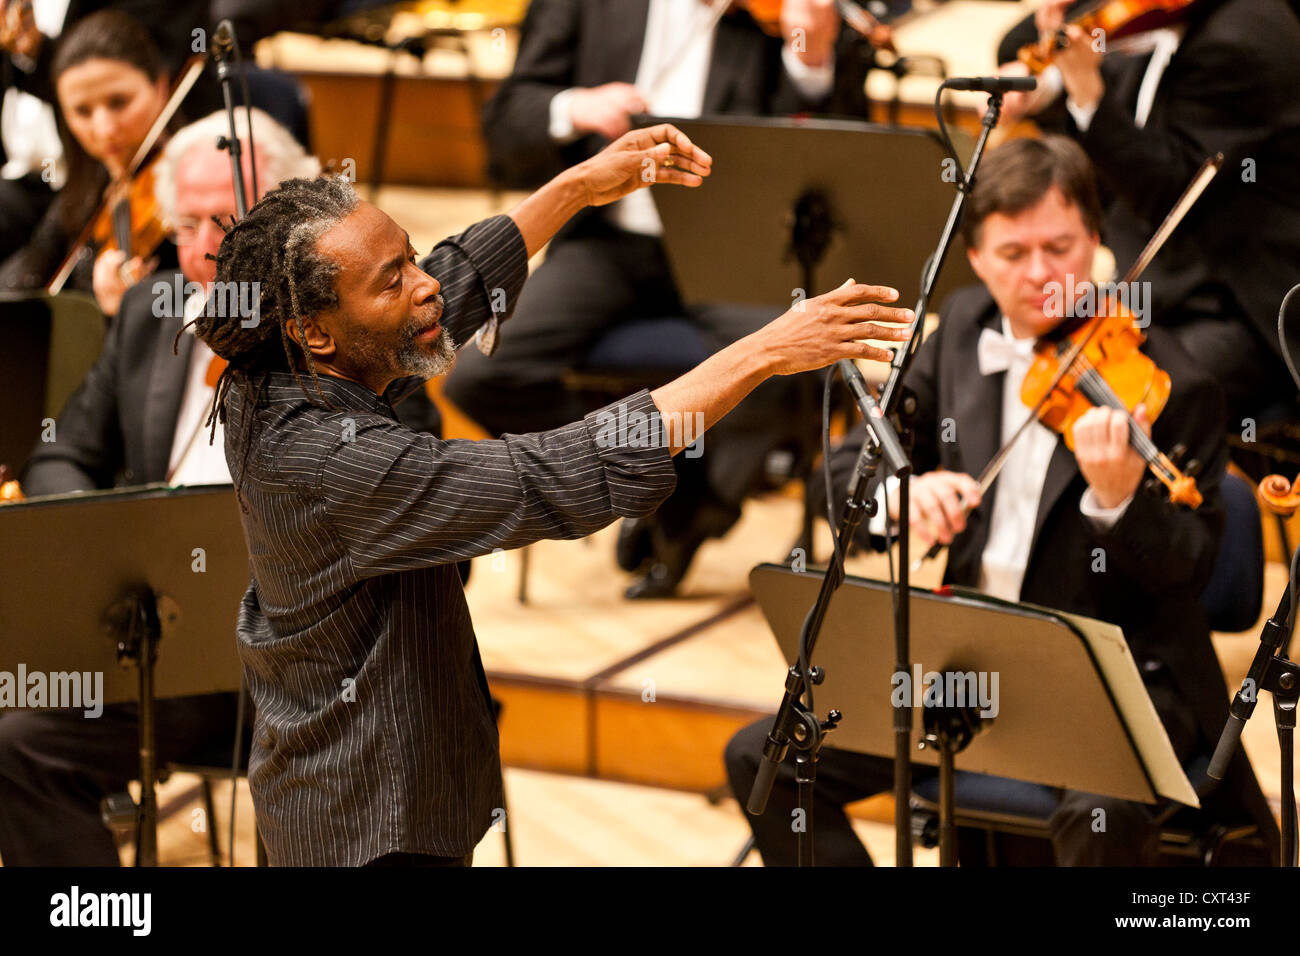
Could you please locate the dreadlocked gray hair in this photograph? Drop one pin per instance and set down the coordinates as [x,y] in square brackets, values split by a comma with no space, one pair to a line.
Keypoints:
[275,246]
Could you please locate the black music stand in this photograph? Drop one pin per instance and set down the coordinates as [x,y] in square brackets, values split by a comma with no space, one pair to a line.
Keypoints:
[1071,708]
[51,341]
[123,565]
[806,204]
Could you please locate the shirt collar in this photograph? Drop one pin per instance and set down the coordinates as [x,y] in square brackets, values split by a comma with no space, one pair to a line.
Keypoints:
[340,392]
[1024,347]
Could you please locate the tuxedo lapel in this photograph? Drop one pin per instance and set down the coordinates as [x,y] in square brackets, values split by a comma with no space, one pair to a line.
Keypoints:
[622,25]
[167,381]
[732,51]
[1061,472]
[977,417]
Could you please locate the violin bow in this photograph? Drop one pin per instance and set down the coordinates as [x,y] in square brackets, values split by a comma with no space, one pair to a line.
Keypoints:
[1180,209]
[183,86]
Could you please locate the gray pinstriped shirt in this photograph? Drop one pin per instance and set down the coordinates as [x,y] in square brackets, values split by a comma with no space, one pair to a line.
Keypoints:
[374,731]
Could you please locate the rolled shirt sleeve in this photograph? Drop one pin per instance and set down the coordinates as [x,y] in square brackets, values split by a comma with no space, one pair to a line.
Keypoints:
[481,271]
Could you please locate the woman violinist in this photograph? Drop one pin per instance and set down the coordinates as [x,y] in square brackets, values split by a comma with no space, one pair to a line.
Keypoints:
[111,88]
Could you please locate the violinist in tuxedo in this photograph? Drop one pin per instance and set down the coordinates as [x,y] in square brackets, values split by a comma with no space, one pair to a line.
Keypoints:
[1031,228]
[139,418]
[1223,78]
[584,69]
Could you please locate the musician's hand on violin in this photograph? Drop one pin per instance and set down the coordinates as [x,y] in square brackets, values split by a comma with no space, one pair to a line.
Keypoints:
[605,109]
[1016,105]
[643,157]
[114,275]
[18,31]
[1080,66]
[938,504]
[1110,465]
[811,28]
[1050,18]
[825,329]
[109,284]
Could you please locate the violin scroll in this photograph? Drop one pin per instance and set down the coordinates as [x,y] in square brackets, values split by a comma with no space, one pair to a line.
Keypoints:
[1280,496]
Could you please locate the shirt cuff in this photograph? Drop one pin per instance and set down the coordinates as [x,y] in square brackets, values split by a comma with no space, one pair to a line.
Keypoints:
[561,123]
[1082,114]
[632,440]
[1103,519]
[812,82]
[483,244]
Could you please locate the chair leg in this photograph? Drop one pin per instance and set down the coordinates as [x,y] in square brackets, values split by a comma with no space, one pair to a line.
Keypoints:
[523,573]
[745,850]
[209,808]
[505,833]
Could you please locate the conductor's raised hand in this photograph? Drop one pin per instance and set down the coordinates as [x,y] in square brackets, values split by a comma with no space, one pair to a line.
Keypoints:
[830,327]
[639,158]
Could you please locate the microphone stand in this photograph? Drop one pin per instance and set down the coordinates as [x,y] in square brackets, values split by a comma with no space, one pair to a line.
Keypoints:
[1272,671]
[222,45]
[796,723]
[901,413]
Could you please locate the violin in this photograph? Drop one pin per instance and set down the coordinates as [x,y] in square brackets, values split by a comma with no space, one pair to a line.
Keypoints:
[129,218]
[1108,369]
[1116,19]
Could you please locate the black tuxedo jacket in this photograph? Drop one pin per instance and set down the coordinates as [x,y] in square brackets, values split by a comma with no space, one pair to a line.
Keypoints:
[117,428]
[1233,86]
[1158,558]
[584,43]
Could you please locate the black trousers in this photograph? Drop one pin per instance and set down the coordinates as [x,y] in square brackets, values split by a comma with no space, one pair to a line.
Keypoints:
[56,766]
[591,281]
[1129,838]
[22,204]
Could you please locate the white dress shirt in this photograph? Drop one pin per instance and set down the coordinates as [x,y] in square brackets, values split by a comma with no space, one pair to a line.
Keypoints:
[193,460]
[671,77]
[1019,484]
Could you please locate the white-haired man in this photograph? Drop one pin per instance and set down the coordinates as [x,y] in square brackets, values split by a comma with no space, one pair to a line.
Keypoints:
[136,419]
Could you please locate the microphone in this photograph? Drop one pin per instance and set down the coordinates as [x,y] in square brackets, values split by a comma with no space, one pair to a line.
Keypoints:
[896,460]
[223,41]
[992,84]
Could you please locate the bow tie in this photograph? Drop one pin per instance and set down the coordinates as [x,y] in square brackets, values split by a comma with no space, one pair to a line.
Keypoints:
[997,351]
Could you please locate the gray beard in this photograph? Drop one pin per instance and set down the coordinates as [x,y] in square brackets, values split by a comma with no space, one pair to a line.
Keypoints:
[411,358]
[414,360]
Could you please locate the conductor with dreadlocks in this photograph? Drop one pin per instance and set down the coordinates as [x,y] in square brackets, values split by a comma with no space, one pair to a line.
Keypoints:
[375,740]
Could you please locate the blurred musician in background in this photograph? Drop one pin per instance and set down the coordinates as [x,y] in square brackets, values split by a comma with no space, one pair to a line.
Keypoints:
[1224,78]
[137,419]
[583,70]
[31,166]
[111,87]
